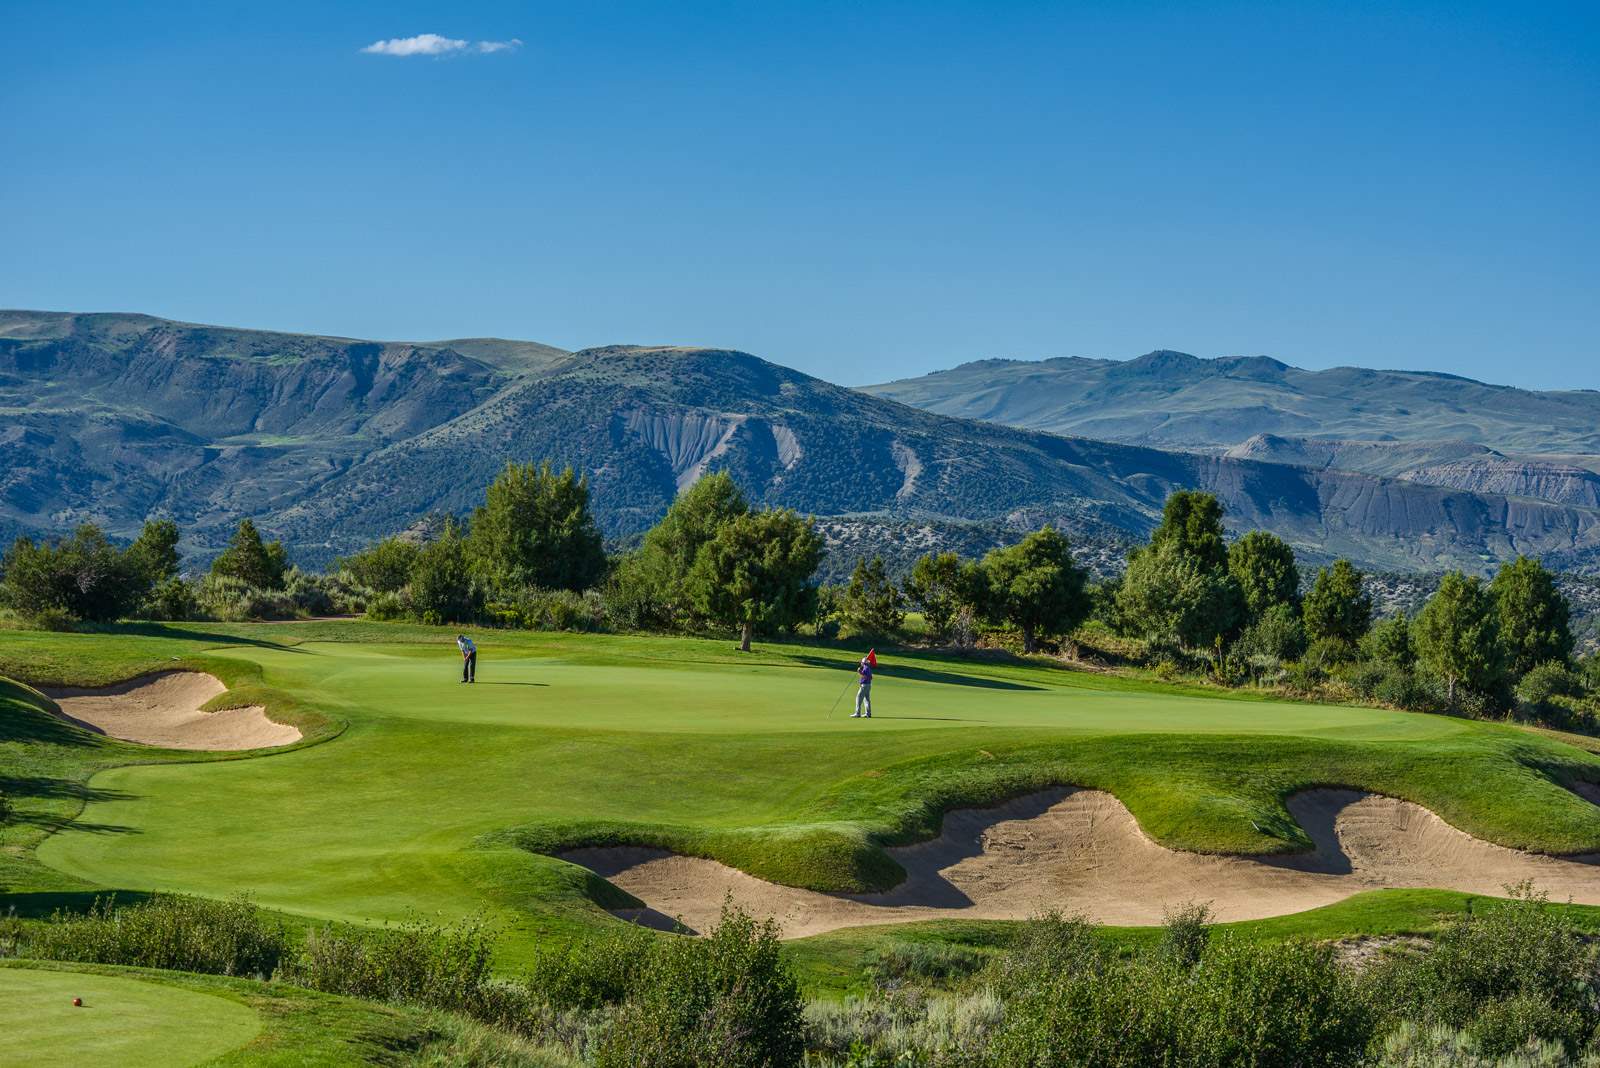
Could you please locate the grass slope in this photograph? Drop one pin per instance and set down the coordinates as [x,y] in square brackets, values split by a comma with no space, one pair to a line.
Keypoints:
[442,799]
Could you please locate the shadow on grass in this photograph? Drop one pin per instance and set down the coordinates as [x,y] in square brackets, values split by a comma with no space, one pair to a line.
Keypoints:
[187,632]
[42,904]
[922,674]
[56,789]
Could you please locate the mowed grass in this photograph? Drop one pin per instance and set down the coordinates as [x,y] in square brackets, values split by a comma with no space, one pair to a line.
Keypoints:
[122,1021]
[442,799]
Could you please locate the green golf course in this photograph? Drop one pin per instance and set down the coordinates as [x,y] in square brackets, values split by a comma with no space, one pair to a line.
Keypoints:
[121,1021]
[414,794]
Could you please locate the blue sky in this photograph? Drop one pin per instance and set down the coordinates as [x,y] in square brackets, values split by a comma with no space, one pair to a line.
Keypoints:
[860,190]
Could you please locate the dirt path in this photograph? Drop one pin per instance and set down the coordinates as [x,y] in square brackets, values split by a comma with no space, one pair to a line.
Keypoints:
[1081,851]
[164,710]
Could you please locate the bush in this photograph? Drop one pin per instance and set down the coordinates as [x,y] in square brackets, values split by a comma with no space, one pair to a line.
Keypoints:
[173,599]
[534,609]
[1366,676]
[233,600]
[1326,654]
[1540,690]
[389,606]
[727,1000]
[901,962]
[186,934]
[1401,688]
[589,975]
[1277,634]
[7,810]
[1506,975]
[416,963]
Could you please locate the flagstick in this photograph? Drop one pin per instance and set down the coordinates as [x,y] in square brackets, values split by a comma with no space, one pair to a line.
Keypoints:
[836,700]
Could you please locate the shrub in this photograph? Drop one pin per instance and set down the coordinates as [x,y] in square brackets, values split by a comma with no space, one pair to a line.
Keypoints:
[728,999]
[588,975]
[1186,931]
[1366,676]
[534,609]
[902,1029]
[416,962]
[7,810]
[383,567]
[1506,975]
[1400,688]
[1539,691]
[232,599]
[900,962]
[1277,634]
[173,599]
[186,934]
[1328,653]
[389,606]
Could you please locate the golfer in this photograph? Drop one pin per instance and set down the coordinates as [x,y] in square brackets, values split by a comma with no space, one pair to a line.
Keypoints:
[469,658]
[864,693]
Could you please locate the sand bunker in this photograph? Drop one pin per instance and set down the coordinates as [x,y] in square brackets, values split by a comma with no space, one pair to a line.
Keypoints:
[165,710]
[1081,851]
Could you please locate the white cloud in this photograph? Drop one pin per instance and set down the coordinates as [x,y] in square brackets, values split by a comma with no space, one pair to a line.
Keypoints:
[432,44]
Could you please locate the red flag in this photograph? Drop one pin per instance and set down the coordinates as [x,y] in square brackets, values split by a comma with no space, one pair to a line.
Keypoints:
[872,657]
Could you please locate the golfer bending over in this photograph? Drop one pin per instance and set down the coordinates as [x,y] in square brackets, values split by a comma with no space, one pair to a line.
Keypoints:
[864,694]
[469,658]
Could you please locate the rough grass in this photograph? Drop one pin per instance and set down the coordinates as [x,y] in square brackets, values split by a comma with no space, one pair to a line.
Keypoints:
[446,799]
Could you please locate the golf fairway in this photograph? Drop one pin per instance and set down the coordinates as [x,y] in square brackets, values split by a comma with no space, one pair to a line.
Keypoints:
[568,739]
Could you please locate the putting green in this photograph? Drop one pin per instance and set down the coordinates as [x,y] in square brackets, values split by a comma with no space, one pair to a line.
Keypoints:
[422,803]
[125,1022]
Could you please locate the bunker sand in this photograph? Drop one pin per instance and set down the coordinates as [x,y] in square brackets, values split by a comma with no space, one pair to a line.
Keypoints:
[1081,851]
[165,710]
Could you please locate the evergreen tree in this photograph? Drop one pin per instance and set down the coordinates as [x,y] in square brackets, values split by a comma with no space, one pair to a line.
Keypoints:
[1264,567]
[1390,642]
[657,575]
[250,560]
[1534,617]
[154,553]
[756,572]
[1457,635]
[1035,586]
[1191,523]
[1337,606]
[535,530]
[872,602]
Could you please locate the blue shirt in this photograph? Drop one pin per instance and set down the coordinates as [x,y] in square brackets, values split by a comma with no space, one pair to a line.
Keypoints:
[466,646]
[865,671]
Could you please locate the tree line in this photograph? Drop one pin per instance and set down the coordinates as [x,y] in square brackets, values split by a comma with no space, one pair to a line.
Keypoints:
[1189,600]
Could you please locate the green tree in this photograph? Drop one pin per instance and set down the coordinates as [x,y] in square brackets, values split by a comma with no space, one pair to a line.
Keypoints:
[1457,635]
[82,576]
[940,585]
[155,551]
[535,529]
[1168,595]
[659,571]
[1277,633]
[756,571]
[442,586]
[384,566]
[1533,615]
[1389,641]
[1337,606]
[250,560]
[1035,586]
[1191,523]
[872,602]
[1263,566]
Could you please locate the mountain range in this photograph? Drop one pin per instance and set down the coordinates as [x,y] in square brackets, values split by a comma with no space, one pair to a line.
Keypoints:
[330,442]
[1436,429]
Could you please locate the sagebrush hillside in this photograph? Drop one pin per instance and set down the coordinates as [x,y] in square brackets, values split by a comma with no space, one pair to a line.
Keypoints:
[331,442]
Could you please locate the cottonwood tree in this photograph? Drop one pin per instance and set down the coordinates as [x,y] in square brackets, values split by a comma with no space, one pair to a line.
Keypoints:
[872,602]
[756,571]
[1264,567]
[1169,595]
[1035,586]
[939,586]
[535,530]
[442,584]
[1533,616]
[385,566]
[1457,635]
[1337,606]
[251,560]
[655,578]
[83,576]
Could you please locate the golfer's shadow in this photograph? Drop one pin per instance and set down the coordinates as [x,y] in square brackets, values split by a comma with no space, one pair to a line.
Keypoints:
[961,837]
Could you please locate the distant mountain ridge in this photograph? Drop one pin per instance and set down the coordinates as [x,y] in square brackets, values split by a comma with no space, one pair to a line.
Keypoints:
[1416,425]
[330,442]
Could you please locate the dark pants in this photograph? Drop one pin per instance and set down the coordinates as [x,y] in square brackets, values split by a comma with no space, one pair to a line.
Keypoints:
[469,667]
